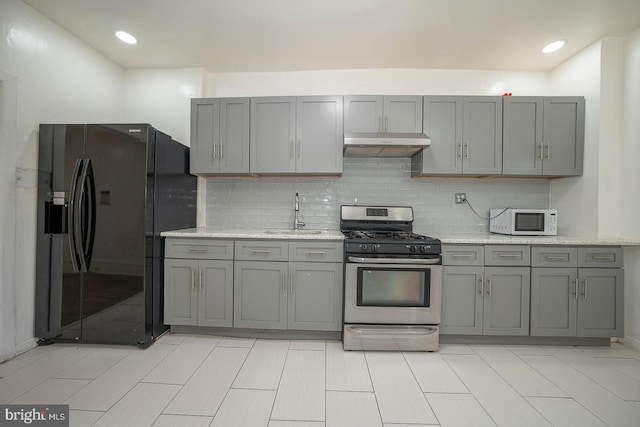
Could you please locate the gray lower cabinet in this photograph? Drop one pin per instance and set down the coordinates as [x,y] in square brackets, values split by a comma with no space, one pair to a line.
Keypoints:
[479,298]
[543,136]
[382,114]
[574,294]
[219,136]
[302,135]
[466,136]
[198,282]
[303,293]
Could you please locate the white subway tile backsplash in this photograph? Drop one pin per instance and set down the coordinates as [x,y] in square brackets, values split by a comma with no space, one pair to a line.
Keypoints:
[255,203]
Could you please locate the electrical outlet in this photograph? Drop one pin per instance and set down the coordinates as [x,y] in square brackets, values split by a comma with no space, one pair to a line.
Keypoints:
[461,198]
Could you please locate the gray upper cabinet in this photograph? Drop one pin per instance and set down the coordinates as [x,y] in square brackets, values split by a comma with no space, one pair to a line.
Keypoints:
[382,114]
[466,136]
[301,135]
[273,133]
[219,136]
[543,136]
[319,135]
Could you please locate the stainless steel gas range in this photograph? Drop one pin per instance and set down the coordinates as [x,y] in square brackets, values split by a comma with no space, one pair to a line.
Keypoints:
[393,281]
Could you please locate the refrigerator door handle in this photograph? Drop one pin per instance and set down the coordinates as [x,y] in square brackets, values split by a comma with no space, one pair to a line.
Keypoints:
[73,217]
[87,213]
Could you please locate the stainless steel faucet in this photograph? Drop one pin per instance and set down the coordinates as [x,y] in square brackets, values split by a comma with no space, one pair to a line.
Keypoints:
[296,222]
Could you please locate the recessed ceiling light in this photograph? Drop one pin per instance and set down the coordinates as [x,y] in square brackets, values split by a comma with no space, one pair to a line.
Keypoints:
[126,37]
[553,46]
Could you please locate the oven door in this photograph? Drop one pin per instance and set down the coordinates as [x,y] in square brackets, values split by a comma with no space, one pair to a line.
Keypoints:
[392,291]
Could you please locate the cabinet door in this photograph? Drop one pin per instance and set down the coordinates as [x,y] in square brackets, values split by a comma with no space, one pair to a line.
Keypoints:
[506,300]
[205,113]
[272,136]
[363,113]
[260,295]
[233,150]
[180,292]
[402,114]
[215,298]
[442,122]
[554,301]
[522,135]
[482,135]
[601,302]
[319,137]
[462,300]
[315,296]
[563,136]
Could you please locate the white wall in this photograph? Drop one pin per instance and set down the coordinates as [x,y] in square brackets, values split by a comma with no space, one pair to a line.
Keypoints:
[162,97]
[630,206]
[47,76]
[577,198]
[378,81]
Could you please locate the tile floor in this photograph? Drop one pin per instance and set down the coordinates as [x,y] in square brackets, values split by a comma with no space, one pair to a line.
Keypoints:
[191,380]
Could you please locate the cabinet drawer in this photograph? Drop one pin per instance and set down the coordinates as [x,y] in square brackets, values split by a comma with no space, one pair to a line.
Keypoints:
[263,250]
[462,255]
[198,248]
[600,257]
[507,255]
[316,252]
[554,256]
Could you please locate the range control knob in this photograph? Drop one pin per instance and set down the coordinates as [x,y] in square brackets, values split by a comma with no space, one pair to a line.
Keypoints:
[423,249]
[412,248]
[365,248]
[374,248]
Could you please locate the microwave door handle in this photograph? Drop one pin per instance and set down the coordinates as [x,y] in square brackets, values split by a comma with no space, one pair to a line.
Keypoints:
[73,217]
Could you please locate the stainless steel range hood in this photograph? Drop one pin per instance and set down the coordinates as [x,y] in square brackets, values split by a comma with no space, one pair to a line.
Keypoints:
[384,144]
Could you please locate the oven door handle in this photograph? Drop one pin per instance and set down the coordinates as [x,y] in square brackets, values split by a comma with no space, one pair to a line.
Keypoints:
[362,260]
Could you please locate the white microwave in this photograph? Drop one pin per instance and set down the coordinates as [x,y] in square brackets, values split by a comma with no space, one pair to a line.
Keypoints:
[524,222]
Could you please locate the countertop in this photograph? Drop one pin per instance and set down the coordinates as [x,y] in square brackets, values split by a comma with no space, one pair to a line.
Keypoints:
[502,239]
[255,234]
[469,239]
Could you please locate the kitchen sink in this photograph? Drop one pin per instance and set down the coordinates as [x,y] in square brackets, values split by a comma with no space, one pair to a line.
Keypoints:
[293,232]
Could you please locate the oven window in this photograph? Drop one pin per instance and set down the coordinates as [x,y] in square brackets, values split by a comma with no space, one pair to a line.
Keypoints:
[529,221]
[385,287]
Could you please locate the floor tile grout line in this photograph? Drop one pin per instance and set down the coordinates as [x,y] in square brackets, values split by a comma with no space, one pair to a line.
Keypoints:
[413,374]
[467,387]
[279,381]
[561,388]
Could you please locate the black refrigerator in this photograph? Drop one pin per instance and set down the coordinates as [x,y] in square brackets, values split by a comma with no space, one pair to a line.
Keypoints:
[105,193]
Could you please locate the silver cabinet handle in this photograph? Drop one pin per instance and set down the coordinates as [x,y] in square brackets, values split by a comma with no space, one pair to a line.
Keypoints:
[509,255]
[298,148]
[467,150]
[603,257]
[554,258]
[291,282]
[548,151]
[386,124]
[459,151]
[215,156]
[542,151]
[193,279]
[261,252]
[319,253]
[586,282]
[200,279]
[380,128]
[490,286]
[577,281]
[284,285]
[481,280]
[221,149]
[465,256]
[197,249]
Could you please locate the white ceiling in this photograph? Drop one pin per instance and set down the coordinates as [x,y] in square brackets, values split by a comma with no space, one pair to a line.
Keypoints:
[285,35]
